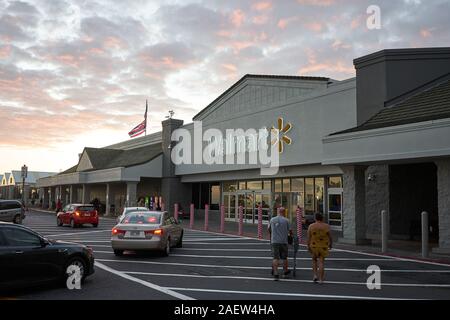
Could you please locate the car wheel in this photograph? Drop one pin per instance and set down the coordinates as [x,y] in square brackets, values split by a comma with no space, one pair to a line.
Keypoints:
[76,263]
[17,219]
[166,250]
[180,242]
[59,222]
[118,253]
[95,225]
[72,223]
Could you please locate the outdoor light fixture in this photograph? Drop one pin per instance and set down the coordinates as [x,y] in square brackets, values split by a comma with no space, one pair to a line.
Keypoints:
[372,177]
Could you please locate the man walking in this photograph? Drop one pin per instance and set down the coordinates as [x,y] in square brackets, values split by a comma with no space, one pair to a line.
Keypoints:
[319,242]
[279,231]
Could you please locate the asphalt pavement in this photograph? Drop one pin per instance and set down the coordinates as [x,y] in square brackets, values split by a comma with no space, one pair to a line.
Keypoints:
[212,266]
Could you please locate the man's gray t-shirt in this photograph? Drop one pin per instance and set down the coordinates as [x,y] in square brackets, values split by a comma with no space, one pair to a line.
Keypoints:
[279,227]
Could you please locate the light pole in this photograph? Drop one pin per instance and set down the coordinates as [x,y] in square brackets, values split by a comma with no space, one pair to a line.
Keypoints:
[24,175]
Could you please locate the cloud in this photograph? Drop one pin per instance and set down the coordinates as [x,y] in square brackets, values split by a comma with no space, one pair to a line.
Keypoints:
[89,66]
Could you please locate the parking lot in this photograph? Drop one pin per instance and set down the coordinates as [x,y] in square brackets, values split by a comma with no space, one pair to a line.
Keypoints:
[216,266]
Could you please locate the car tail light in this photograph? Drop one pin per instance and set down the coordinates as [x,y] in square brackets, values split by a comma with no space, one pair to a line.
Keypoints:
[116,232]
[77,213]
[157,232]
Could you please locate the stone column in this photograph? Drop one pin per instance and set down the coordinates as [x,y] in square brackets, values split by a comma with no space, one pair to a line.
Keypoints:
[443,188]
[71,194]
[172,190]
[85,194]
[131,194]
[50,198]
[354,203]
[45,198]
[26,194]
[109,199]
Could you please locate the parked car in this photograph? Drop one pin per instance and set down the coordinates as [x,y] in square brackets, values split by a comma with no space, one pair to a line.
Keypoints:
[27,258]
[77,215]
[128,210]
[12,211]
[147,230]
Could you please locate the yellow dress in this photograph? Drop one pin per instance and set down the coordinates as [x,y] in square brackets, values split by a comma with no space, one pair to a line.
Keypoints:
[319,243]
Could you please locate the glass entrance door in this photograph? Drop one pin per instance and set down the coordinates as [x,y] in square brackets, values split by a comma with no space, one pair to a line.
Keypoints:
[230,204]
[335,208]
[249,200]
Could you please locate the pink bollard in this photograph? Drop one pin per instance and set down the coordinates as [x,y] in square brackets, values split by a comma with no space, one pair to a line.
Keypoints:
[241,221]
[260,235]
[191,223]
[222,218]
[299,224]
[206,217]
[175,214]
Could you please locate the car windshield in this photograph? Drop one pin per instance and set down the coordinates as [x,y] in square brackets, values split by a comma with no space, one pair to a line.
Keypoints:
[85,208]
[142,218]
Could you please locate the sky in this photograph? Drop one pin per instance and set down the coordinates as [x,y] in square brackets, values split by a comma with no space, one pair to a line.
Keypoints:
[76,73]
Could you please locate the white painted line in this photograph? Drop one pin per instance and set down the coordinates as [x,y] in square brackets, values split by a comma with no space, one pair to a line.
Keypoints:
[212,239]
[225,249]
[425,285]
[87,241]
[266,268]
[285,294]
[229,244]
[99,245]
[349,251]
[77,233]
[145,283]
[270,258]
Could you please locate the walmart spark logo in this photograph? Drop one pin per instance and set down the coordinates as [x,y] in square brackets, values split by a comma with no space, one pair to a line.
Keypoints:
[281,134]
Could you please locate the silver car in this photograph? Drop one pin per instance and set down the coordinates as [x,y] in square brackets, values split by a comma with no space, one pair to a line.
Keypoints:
[147,230]
[128,210]
[12,211]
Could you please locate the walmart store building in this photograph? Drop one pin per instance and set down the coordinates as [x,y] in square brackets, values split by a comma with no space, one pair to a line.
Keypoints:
[379,141]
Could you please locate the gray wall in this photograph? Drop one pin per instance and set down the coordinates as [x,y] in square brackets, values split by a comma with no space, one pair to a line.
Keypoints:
[312,116]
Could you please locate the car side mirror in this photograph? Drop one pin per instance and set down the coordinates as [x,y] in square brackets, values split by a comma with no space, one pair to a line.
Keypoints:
[44,242]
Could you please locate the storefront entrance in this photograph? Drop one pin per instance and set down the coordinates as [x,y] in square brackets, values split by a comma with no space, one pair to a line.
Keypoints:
[249,200]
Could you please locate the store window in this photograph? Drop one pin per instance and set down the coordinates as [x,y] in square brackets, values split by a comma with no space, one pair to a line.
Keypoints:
[297,185]
[286,185]
[242,185]
[215,197]
[309,195]
[254,185]
[319,190]
[267,185]
[277,185]
[229,186]
[334,182]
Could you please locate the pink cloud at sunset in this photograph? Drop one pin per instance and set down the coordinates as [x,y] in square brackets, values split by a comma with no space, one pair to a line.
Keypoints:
[78,73]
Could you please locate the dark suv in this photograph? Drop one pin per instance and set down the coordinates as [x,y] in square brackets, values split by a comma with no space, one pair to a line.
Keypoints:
[12,211]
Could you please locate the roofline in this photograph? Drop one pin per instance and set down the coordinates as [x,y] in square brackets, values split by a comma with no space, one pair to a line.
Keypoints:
[259,76]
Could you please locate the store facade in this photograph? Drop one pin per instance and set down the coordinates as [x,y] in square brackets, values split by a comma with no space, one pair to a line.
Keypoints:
[337,151]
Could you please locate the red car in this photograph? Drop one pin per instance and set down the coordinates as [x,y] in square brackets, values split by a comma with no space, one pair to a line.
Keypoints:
[77,215]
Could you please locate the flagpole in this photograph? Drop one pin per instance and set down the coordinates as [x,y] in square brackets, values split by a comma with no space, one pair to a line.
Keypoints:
[146,106]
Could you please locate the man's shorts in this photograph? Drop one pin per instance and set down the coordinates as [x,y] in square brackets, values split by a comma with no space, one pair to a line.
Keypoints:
[279,251]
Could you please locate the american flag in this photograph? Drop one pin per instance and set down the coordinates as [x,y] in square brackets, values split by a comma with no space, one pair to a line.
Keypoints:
[141,127]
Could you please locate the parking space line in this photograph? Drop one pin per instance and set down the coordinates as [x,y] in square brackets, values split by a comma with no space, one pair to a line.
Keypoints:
[426,285]
[266,268]
[77,233]
[286,294]
[145,283]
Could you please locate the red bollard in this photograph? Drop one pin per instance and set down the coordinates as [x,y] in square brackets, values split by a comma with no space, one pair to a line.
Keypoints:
[206,216]
[222,218]
[241,220]
[299,223]
[260,235]
[175,214]
[191,224]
